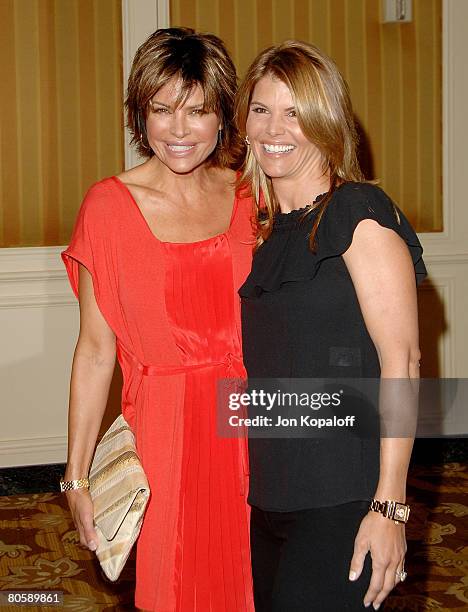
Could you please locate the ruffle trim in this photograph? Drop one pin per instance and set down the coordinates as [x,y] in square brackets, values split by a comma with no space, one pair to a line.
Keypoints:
[286,257]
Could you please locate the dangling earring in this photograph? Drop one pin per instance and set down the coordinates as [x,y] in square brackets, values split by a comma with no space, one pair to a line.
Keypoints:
[142,130]
[247,141]
[144,144]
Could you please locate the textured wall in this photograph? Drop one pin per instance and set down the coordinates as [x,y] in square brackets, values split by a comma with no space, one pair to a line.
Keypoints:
[394,72]
[60,112]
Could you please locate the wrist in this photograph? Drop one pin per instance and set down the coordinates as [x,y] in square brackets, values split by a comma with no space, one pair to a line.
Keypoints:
[391,509]
[396,492]
[78,475]
[76,471]
[73,484]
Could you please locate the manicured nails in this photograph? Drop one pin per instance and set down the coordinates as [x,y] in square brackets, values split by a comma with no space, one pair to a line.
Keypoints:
[92,545]
[352,575]
[376,606]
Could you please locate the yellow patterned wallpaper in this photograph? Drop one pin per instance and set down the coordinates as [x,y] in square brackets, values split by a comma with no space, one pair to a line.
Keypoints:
[393,70]
[61,125]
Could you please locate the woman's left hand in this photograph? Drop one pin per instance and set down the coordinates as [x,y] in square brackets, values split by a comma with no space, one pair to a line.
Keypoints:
[386,543]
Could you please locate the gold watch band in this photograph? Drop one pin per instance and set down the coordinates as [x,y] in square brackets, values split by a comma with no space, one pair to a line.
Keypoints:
[69,485]
[391,509]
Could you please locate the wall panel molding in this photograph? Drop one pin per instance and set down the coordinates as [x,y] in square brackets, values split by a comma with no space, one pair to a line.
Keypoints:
[139,20]
[33,451]
[433,259]
[33,277]
[441,289]
[39,323]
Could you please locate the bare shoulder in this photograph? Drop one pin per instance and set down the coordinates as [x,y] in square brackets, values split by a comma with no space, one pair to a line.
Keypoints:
[140,183]
[135,175]
[372,239]
[376,252]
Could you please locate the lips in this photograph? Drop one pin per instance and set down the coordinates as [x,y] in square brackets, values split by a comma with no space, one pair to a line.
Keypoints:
[278,148]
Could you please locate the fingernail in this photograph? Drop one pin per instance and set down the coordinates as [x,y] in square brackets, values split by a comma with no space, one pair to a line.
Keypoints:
[376,606]
[352,575]
[92,545]
[366,605]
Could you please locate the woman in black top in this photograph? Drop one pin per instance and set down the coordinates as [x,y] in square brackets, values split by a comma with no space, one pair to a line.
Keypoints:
[332,294]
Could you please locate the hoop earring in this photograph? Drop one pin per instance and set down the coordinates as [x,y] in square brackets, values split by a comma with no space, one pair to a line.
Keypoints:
[247,141]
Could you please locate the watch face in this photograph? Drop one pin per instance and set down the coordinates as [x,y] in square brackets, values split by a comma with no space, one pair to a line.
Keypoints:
[401,512]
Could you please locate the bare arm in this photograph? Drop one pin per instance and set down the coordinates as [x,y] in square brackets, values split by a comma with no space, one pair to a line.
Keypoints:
[383,275]
[92,370]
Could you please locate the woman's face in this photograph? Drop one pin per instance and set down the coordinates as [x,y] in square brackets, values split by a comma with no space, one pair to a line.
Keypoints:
[182,138]
[277,141]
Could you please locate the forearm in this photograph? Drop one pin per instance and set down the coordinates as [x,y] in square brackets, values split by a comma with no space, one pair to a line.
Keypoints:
[89,389]
[399,408]
[395,454]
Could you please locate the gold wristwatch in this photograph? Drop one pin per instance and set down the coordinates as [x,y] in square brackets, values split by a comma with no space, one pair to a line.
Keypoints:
[69,485]
[393,510]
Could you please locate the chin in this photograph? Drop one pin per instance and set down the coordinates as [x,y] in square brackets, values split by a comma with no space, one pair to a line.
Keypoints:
[272,168]
[274,172]
[184,167]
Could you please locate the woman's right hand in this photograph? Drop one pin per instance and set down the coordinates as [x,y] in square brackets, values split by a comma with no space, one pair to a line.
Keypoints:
[81,507]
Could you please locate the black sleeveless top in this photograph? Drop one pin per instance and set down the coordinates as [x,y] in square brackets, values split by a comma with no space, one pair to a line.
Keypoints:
[301,319]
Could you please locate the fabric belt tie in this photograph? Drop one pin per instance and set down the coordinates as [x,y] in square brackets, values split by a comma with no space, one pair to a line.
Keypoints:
[233,362]
[134,371]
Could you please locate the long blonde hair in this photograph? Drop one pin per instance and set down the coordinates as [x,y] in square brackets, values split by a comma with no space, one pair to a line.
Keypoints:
[325,116]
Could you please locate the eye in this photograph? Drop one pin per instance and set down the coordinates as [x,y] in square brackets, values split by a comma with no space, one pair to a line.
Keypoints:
[292,113]
[159,110]
[198,111]
[258,109]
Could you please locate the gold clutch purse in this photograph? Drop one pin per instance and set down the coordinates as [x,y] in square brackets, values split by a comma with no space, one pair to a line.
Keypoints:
[119,489]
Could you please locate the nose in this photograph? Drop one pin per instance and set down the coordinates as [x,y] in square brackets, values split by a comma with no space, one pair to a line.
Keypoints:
[275,125]
[179,125]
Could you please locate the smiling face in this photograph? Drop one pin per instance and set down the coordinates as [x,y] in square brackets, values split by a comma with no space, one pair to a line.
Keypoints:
[182,137]
[275,136]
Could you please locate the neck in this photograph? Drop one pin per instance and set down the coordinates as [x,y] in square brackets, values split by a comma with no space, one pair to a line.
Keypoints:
[292,195]
[166,180]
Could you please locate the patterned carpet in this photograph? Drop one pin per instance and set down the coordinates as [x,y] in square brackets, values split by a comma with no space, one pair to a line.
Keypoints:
[39,549]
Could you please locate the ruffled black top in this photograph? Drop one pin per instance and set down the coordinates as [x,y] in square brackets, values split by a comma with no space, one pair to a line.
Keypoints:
[301,319]
[286,257]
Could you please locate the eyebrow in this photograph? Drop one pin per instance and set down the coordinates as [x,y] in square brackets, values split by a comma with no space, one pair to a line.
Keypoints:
[262,104]
[192,107]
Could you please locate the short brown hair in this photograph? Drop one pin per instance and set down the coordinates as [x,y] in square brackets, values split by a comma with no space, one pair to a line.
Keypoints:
[324,113]
[196,59]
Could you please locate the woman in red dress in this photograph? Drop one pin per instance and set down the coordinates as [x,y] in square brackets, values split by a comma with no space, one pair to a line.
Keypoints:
[156,258]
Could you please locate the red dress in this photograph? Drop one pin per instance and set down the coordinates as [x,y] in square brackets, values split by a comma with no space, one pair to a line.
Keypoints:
[175,312]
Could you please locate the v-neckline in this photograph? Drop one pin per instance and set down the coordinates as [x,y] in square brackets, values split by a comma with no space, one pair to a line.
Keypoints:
[129,194]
